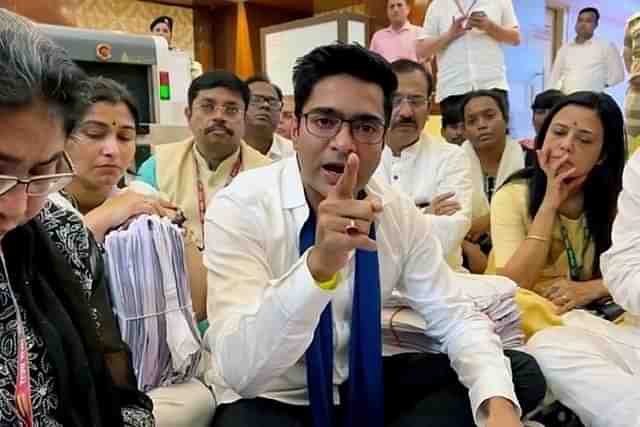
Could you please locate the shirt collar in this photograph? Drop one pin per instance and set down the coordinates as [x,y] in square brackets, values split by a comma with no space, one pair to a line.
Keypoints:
[223,166]
[275,152]
[406,27]
[586,43]
[413,150]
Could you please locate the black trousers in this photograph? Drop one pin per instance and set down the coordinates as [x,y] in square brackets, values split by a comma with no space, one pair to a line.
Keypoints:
[421,389]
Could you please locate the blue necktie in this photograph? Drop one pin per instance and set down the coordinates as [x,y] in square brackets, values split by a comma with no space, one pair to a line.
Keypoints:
[365,400]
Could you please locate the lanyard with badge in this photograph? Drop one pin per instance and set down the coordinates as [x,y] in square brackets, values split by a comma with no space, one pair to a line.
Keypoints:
[202,199]
[575,269]
[461,9]
[24,406]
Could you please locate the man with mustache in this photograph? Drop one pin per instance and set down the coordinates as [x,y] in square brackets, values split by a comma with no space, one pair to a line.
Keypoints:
[190,172]
[302,253]
[263,116]
[436,175]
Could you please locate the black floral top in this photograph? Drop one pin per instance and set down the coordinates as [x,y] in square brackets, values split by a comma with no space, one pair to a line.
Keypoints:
[71,238]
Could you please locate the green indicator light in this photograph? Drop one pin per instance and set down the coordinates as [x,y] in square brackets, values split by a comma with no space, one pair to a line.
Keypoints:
[165,92]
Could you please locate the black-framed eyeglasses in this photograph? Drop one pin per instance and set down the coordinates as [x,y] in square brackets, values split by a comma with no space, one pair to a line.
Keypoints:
[414,101]
[326,126]
[259,101]
[41,185]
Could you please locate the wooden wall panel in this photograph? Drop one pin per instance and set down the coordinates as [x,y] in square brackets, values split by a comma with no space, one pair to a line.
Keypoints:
[203,37]
[56,12]
[322,6]
[224,37]
[236,35]
[418,11]
[260,16]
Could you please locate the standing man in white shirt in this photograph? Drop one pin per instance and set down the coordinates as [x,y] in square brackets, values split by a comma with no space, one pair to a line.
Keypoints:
[303,254]
[263,117]
[435,174]
[586,63]
[466,36]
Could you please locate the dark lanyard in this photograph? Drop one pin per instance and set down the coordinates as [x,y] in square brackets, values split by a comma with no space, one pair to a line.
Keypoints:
[489,183]
[575,269]
[24,407]
[202,199]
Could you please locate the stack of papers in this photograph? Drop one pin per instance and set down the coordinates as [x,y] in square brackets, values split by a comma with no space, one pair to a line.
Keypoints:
[403,329]
[152,300]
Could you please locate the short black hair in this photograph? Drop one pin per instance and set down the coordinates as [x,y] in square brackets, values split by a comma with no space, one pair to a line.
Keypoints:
[340,58]
[451,117]
[547,100]
[402,66]
[496,96]
[101,89]
[264,79]
[591,9]
[219,78]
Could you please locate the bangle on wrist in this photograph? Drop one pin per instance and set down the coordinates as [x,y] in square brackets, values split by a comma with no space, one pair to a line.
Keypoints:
[536,237]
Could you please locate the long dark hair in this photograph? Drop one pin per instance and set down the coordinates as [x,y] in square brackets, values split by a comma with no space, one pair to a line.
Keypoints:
[604,182]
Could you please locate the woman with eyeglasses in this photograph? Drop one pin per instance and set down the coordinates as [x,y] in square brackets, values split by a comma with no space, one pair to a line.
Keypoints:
[62,362]
[101,148]
[551,222]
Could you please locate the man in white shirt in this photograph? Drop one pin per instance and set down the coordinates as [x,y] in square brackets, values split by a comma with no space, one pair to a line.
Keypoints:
[435,174]
[297,276]
[586,63]
[466,36]
[263,117]
[593,366]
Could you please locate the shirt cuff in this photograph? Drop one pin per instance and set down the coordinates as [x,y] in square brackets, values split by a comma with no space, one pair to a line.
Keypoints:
[489,387]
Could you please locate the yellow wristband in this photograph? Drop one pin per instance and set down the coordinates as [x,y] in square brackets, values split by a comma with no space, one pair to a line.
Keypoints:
[329,285]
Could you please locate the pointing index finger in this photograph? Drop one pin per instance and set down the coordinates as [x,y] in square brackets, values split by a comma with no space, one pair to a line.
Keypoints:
[345,188]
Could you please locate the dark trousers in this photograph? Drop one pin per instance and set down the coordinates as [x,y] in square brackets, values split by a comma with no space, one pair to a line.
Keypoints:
[421,389]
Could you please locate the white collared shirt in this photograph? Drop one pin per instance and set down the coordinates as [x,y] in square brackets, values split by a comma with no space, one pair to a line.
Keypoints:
[263,304]
[429,168]
[593,65]
[281,148]
[475,60]
[512,160]
[621,263]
